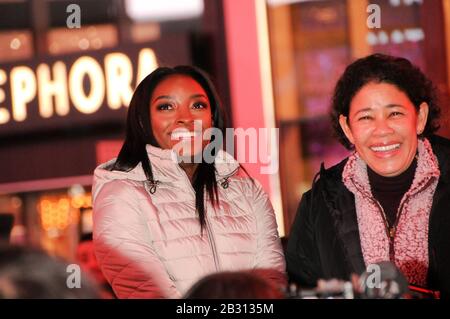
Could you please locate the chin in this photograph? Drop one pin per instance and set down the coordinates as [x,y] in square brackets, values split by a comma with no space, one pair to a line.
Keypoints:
[387,172]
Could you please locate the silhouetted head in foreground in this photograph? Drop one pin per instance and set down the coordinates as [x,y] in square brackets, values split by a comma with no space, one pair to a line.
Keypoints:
[234,285]
[32,274]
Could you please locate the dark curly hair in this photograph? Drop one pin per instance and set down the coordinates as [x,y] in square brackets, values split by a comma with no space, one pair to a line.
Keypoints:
[380,68]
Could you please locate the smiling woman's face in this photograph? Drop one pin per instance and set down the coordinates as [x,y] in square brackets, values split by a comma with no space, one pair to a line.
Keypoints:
[178,106]
[383,125]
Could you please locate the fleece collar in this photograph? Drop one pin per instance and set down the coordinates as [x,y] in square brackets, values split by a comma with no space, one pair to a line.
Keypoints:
[355,175]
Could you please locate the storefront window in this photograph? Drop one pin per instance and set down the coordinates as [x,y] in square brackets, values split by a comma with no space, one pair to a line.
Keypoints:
[59,220]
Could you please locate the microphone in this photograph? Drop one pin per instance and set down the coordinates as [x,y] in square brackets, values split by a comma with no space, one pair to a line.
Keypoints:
[382,280]
[326,289]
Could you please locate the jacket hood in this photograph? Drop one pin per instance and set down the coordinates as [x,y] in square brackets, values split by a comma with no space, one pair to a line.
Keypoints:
[165,169]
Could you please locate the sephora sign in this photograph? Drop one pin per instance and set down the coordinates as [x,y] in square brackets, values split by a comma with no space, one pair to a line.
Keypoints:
[74,90]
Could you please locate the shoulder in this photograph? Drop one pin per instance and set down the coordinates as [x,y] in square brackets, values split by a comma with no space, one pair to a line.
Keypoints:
[109,181]
[246,185]
[328,188]
[121,186]
[118,190]
[440,145]
[335,171]
[437,140]
[441,148]
[330,178]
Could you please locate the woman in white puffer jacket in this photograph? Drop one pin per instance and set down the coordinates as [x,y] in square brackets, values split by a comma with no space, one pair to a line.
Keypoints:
[162,222]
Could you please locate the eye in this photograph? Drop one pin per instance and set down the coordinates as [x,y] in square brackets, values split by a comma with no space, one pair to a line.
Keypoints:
[199,105]
[365,118]
[164,107]
[396,114]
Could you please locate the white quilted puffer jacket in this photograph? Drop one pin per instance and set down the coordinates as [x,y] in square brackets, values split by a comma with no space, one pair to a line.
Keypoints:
[150,245]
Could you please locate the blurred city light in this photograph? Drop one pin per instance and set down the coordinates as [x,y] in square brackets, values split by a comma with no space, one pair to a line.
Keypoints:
[155,10]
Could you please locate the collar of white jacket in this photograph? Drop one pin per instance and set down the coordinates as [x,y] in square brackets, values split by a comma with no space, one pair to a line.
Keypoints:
[165,167]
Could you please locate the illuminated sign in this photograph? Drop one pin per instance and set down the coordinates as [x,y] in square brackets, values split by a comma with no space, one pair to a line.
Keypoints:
[50,83]
[74,90]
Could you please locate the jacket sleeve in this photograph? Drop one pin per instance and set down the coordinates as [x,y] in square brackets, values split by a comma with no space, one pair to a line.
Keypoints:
[303,264]
[123,246]
[270,252]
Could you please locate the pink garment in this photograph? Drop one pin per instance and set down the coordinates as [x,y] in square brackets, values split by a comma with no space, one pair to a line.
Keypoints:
[411,239]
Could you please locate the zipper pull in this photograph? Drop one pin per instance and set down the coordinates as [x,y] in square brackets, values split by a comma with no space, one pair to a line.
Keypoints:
[392,232]
[391,244]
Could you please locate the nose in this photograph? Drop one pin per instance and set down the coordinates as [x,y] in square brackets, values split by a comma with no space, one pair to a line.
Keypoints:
[382,127]
[184,115]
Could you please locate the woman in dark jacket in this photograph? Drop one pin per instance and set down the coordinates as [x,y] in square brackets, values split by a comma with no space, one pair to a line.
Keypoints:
[390,199]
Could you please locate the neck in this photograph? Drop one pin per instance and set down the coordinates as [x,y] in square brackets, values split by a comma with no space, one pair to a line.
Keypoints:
[399,183]
[389,191]
[189,169]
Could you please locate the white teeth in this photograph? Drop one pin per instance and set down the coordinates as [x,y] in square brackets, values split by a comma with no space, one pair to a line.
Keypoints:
[385,148]
[182,135]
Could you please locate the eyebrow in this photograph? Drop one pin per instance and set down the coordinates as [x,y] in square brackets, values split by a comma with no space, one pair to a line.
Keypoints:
[163,97]
[198,95]
[168,97]
[386,106]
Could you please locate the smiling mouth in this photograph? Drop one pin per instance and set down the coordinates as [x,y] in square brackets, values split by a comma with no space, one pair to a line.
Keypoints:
[181,135]
[385,148]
